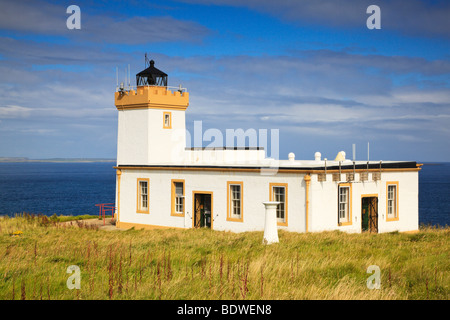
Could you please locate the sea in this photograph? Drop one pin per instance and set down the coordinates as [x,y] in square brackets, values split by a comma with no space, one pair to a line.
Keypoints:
[74,188]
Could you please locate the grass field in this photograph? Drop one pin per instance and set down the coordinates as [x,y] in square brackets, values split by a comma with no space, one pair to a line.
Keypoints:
[36,251]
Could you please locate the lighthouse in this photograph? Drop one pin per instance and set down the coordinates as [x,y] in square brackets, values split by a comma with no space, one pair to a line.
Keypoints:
[151,120]
[162,184]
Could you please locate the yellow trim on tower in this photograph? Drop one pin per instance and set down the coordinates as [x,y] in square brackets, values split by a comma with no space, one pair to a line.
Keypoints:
[151,97]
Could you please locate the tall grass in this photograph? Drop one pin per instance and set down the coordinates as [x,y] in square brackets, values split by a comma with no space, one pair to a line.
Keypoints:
[205,264]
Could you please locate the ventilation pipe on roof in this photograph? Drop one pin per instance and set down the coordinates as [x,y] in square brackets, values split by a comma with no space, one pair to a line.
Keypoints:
[291,156]
[317,156]
[340,156]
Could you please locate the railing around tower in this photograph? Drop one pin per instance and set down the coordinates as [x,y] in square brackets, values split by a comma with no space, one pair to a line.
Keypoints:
[123,88]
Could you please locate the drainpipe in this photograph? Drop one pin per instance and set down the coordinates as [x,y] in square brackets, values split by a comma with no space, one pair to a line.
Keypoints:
[119,174]
[308,182]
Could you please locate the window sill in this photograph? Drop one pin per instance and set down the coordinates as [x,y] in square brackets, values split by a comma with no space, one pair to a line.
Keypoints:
[175,214]
[392,219]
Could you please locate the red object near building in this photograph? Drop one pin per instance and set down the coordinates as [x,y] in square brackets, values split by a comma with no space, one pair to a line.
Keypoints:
[103,208]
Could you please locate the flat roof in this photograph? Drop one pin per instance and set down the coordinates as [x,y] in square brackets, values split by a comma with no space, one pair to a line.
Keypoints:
[299,165]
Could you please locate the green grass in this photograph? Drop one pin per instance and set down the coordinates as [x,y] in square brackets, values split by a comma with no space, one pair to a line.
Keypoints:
[206,264]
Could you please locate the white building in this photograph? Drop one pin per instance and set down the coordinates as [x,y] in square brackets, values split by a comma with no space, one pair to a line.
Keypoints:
[161,183]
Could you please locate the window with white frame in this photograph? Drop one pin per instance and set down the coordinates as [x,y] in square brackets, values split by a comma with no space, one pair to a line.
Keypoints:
[143,195]
[344,204]
[235,201]
[392,201]
[179,197]
[279,195]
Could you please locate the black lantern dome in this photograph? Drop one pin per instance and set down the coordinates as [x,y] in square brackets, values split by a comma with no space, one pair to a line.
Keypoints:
[151,76]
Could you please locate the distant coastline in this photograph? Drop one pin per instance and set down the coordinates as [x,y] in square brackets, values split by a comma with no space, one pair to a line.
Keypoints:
[434,163]
[88,160]
[72,160]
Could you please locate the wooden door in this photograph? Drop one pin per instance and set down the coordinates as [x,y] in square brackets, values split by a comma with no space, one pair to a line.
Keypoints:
[373,214]
[198,207]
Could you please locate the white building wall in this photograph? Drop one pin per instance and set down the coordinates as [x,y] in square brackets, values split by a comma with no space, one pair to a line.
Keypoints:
[226,156]
[324,203]
[408,207]
[256,190]
[323,212]
[142,140]
[132,137]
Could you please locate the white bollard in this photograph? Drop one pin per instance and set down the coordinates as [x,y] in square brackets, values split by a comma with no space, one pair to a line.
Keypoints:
[270,226]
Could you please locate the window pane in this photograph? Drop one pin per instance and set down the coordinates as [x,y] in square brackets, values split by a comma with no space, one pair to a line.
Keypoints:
[392,200]
[179,199]
[343,204]
[179,204]
[143,189]
[166,120]
[279,195]
[179,188]
[144,201]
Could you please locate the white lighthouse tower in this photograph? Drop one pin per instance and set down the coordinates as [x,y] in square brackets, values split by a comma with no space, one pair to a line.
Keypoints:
[151,125]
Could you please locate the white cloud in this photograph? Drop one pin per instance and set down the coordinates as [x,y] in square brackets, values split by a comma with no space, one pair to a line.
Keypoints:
[12,111]
[40,17]
[316,93]
[40,131]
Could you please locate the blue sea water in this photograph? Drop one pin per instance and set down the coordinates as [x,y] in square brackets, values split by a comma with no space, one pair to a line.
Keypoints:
[61,188]
[75,188]
[434,194]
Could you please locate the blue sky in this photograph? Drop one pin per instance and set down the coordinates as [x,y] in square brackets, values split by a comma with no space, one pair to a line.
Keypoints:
[311,69]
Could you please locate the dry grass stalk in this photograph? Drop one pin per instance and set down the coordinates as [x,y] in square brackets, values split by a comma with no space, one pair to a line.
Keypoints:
[262,281]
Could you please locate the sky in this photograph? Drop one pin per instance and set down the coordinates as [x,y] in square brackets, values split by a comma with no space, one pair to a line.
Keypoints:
[311,69]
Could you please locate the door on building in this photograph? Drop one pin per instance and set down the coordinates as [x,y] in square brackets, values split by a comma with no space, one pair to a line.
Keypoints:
[369,213]
[202,209]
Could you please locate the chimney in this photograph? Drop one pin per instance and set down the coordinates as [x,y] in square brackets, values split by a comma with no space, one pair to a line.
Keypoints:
[317,156]
[291,157]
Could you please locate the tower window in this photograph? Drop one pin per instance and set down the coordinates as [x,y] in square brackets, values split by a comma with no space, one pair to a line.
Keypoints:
[167,120]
